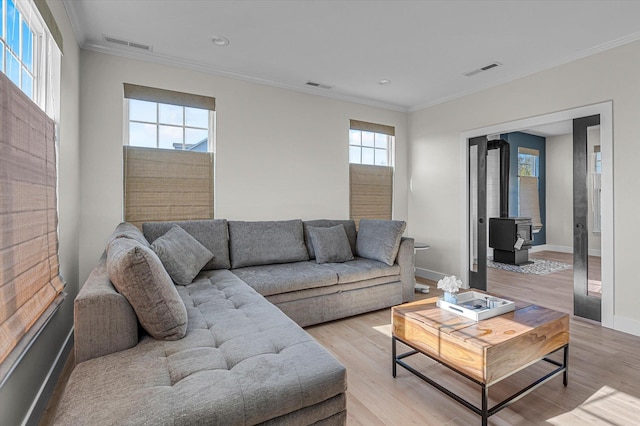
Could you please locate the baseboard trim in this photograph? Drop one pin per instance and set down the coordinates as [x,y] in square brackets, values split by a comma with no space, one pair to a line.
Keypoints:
[626,325]
[562,249]
[49,383]
[429,274]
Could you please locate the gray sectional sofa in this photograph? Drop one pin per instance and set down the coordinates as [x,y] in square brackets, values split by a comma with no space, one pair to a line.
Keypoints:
[226,345]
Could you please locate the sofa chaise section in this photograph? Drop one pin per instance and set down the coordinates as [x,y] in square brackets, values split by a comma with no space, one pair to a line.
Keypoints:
[241,362]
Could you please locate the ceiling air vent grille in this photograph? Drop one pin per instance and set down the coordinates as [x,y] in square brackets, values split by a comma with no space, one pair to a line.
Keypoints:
[126,43]
[318,85]
[482,69]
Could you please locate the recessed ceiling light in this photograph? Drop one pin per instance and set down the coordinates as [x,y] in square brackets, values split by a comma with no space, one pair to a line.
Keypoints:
[384,81]
[220,41]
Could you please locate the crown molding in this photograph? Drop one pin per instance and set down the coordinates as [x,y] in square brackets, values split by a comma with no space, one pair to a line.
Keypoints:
[75,22]
[200,67]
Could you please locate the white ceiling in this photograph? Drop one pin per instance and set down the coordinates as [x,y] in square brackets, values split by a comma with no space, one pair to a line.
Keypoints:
[423,47]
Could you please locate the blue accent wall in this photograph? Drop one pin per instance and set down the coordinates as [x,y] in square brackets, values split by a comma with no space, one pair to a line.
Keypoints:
[516,140]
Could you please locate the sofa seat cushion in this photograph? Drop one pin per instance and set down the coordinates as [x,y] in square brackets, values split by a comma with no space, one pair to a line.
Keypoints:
[361,269]
[242,361]
[282,278]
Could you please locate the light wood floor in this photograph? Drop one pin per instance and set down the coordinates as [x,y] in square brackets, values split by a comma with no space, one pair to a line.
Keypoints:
[604,378]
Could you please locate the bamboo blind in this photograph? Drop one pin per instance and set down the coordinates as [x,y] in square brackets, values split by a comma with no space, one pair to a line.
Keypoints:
[29,269]
[529,200]
[371,192]
[166,185]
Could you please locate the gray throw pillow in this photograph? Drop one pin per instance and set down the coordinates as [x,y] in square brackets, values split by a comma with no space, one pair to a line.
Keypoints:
[128,230]
[137,273]
[331,245]
[182,255]
[380,239]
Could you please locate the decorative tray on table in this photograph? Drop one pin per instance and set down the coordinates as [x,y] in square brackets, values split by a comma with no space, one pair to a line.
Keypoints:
[477,306]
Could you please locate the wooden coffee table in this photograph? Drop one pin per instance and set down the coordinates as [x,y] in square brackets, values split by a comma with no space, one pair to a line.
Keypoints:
[485,351]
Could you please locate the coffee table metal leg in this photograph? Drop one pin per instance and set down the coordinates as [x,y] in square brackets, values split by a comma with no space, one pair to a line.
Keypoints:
[485,405]
[393,355]
[565,375]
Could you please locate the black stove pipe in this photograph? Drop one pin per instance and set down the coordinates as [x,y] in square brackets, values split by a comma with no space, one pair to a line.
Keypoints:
[505,159]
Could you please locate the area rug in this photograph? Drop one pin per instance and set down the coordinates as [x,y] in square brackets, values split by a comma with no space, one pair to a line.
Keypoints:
[538,267]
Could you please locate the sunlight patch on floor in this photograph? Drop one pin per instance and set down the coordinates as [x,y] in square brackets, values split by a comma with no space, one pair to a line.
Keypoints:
[602,407]
[384,329]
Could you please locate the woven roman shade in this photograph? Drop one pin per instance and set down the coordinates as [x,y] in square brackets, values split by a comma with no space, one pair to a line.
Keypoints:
[166,185]
[372,127]
[371,194]
[529,200]
[29,269]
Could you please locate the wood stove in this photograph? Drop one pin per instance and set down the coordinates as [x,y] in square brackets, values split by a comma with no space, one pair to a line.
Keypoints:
[504,235]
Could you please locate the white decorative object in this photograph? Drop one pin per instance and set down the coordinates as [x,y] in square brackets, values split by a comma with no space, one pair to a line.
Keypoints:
[450,284]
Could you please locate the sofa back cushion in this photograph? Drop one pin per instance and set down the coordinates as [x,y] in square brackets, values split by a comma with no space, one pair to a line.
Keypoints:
[137,273]
[212,234]
[349,227]
[265,243]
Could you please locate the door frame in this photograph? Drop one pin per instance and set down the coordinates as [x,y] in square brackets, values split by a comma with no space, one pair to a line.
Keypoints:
[605,110]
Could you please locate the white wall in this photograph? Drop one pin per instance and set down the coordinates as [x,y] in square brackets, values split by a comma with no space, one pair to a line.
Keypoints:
[435,210]
[559,157]
[281,154]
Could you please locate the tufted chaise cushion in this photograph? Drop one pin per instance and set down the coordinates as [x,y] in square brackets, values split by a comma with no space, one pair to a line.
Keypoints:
[242,362]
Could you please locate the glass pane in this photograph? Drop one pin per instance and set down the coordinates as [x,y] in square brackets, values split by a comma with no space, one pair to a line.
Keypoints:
[170,137]
[354,154]
[142,111]
[1,19]
[381,157]
[142,135]
[473,208]
[27,83]
[381,140]
[367,155]
[170,114]
[27,46]
[196,117]
[367,139]
[196,139]
[354,137]
[1,56]
[13,27]
[13,69]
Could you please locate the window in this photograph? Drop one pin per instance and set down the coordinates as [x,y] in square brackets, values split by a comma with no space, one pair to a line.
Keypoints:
[174,182]
[370,170]
[17,43]
[527,163]
[369,148]
[31,288]
[528,182]
[159,125]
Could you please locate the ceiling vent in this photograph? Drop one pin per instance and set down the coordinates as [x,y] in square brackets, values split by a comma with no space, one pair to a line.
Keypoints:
[318,85]
[482,69]
[126,43]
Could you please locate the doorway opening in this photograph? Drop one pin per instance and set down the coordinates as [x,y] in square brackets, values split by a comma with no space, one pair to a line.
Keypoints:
[551,250]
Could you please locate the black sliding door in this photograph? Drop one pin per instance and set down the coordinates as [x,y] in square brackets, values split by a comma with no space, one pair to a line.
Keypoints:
[477,190]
